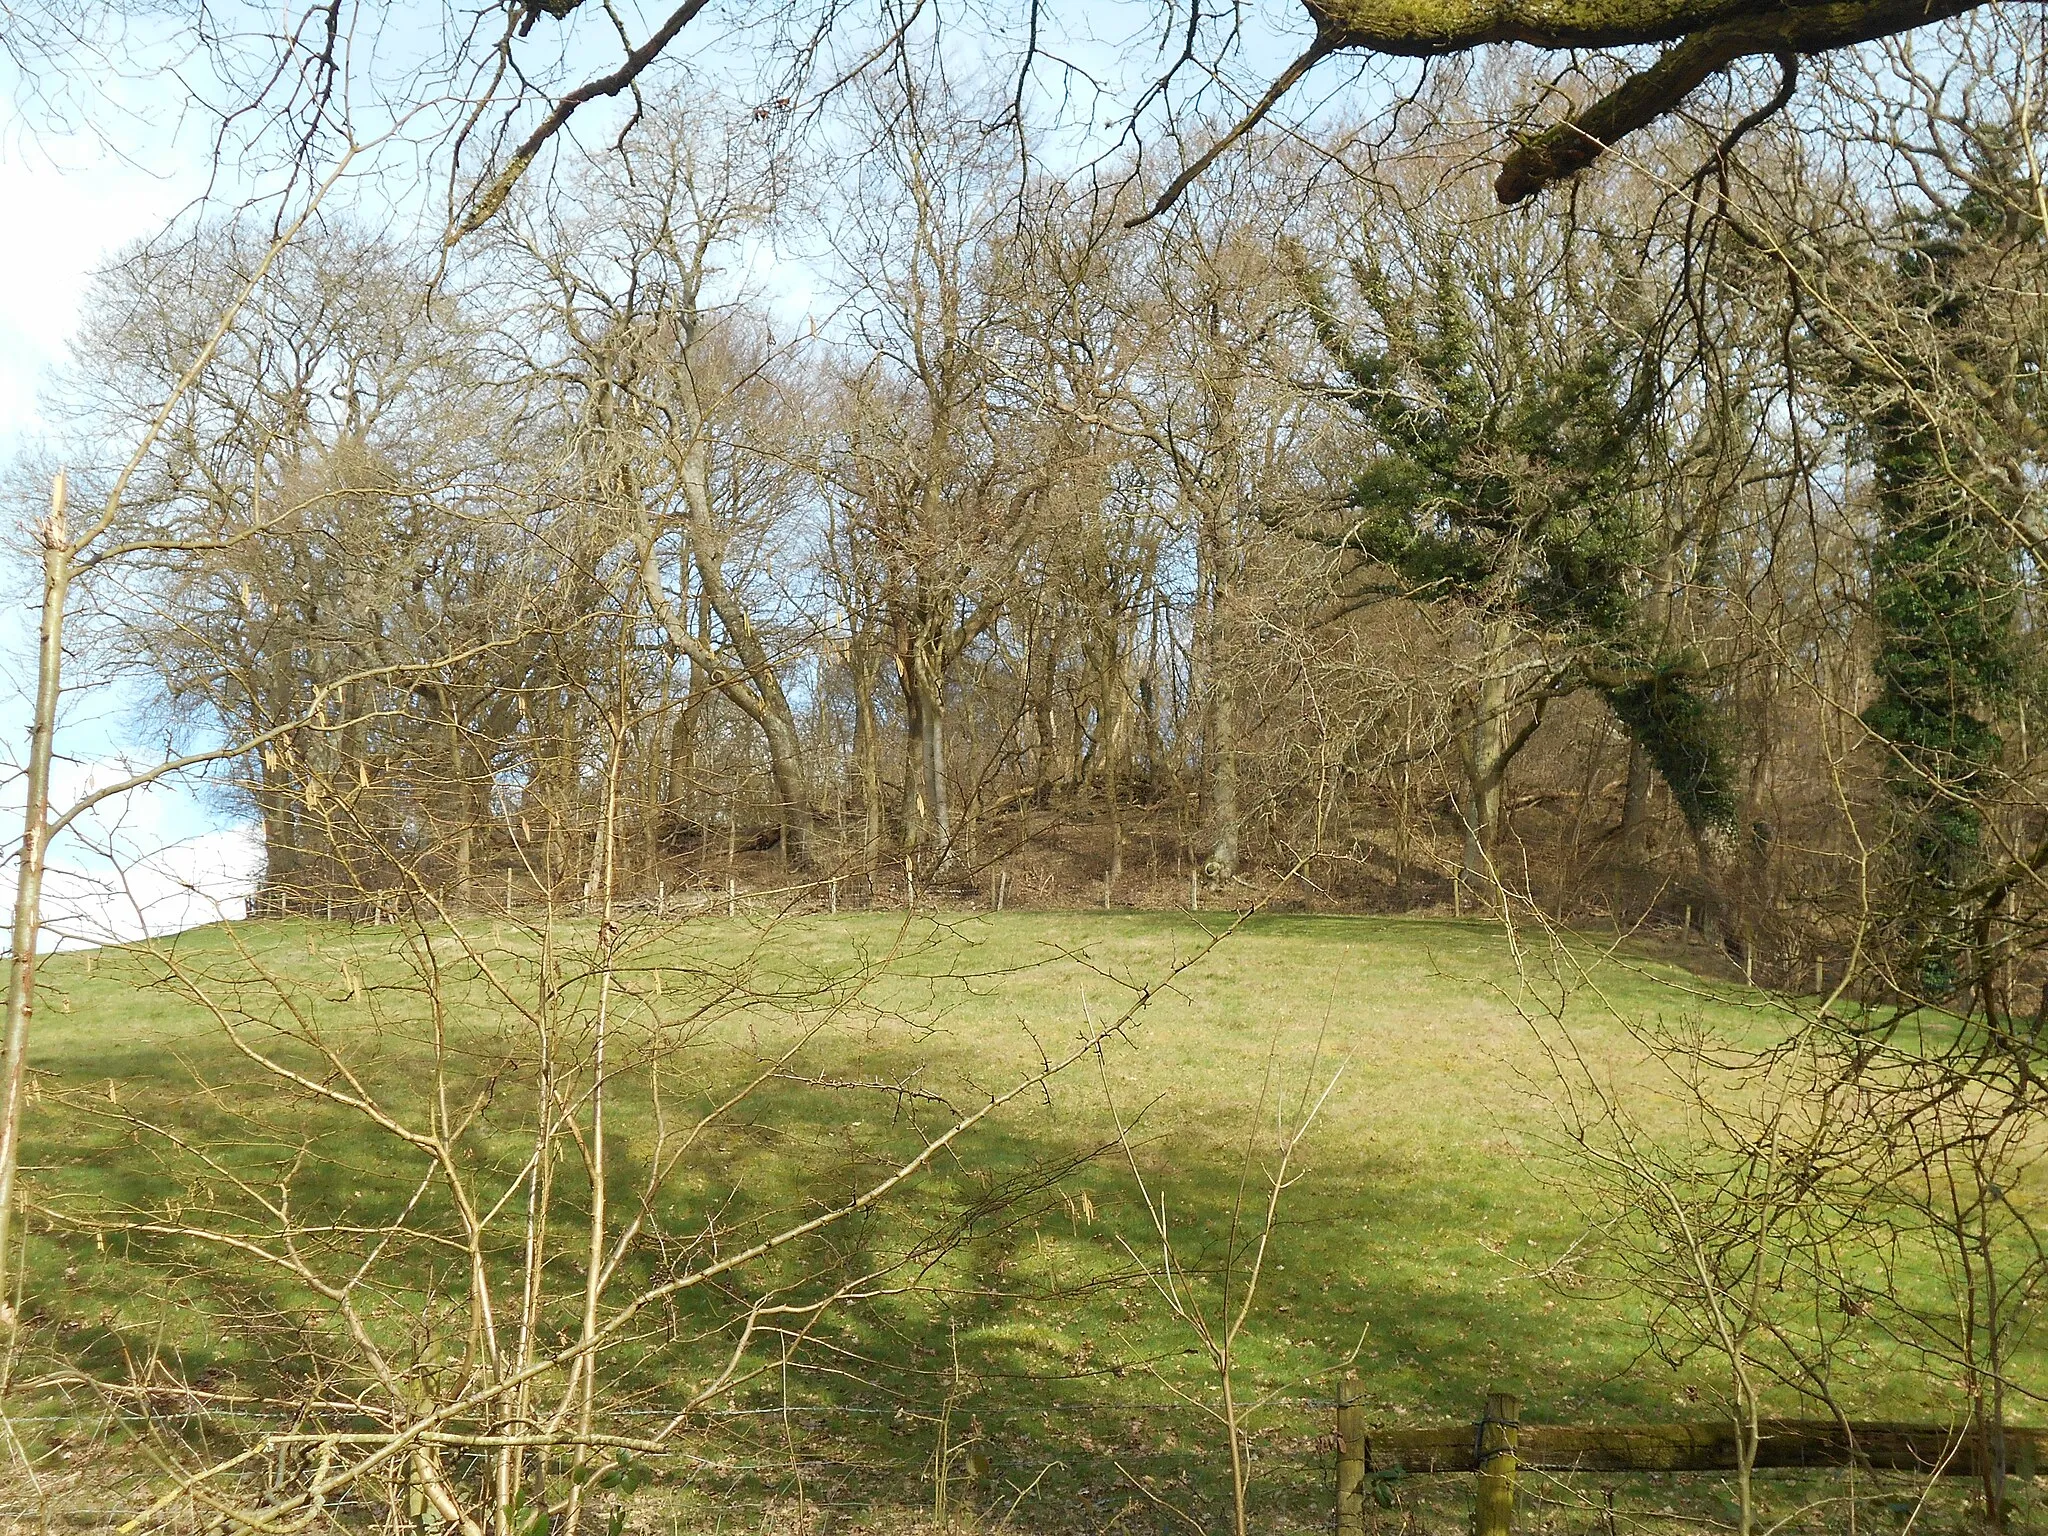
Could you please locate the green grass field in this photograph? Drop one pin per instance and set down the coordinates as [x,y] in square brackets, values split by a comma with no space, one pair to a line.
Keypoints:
[1410,1246]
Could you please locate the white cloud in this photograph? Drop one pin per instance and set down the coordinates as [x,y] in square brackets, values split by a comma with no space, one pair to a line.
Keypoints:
[204,879]
[150,861]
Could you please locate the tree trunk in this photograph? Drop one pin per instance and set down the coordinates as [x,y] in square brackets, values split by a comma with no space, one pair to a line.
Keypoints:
[792,786]
[753,684]
[1658,615]
[1222,786]
[864,665]
[1041,666]
[1045,750]
[679,795]
[461,824]
[1112,722]
[1486,762]
[1635,805]
[564,862]
[1148,705]
[276,805]
[28,890]
[931,755]
[1219,554]
[927,824]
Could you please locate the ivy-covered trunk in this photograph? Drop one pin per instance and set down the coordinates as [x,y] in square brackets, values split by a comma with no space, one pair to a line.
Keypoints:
[1680,729]
[1942,593]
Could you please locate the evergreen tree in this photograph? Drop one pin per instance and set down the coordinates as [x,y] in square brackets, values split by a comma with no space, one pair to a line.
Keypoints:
[1521,490]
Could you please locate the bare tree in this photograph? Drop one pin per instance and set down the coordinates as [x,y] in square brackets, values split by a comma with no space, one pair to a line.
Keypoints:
[680,417]
[929,458]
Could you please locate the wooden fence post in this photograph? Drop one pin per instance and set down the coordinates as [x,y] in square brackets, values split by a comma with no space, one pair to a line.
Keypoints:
[1350,1457]
[1493,1492]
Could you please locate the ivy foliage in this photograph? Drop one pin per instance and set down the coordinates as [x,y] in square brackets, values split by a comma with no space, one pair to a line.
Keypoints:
[1510,477]
[1944,585]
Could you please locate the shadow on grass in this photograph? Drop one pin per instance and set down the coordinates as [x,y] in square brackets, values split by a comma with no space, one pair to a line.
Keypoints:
[1014,1317]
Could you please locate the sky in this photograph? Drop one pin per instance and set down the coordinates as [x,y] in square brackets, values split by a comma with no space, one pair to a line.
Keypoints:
[74,205]
[163,858]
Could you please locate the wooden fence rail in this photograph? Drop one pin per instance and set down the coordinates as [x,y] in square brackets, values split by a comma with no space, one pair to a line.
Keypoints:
[1499,1444]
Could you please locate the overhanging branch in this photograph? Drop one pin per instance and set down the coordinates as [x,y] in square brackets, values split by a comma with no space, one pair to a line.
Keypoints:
[1641,99]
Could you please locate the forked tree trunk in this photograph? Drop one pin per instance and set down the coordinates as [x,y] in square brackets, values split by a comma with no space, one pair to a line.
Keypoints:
[750,677]
[935,787]
[925,814]
[1045,746]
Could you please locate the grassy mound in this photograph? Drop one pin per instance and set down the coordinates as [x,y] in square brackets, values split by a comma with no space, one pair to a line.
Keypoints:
[1019,1348]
